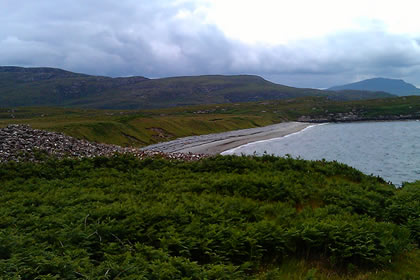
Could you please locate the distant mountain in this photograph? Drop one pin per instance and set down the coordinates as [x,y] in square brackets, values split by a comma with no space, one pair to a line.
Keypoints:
[55,87]
[393,86]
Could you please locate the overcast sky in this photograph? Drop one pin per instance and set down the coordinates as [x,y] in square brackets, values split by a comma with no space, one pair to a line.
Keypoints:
[299,43]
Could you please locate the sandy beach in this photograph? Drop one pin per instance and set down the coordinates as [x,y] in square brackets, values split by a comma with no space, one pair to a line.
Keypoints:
[217,143]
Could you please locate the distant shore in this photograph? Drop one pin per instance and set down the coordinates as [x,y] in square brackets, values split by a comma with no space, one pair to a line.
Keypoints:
[212,144]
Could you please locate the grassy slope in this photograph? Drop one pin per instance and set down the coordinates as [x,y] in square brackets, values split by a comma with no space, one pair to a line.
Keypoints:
[219,218]
[139,128]
[114,126]
[403,267]
[132,128]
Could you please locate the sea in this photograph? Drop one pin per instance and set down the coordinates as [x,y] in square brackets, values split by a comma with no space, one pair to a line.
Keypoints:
[390,150]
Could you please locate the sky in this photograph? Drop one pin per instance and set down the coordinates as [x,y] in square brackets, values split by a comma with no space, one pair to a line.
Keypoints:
[302,43]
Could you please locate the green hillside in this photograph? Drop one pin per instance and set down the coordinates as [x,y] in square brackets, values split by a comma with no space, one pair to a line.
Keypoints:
[144,127]
[56,87]
[218,218]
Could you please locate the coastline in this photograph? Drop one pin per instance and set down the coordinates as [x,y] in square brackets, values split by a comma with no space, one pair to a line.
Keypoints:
[233,150]
[212,144]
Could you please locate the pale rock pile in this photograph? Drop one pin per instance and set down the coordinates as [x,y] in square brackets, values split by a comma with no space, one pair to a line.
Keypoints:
[22,143]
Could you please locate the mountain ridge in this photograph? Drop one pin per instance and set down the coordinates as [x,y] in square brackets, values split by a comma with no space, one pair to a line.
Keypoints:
[44,86]
[393,86]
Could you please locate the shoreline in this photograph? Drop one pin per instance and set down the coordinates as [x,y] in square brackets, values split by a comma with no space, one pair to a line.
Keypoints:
[225,142]
[233,150]
[313,124]
[212,144]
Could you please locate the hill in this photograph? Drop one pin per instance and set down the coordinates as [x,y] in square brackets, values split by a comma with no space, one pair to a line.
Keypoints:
[393,86]
[55,87]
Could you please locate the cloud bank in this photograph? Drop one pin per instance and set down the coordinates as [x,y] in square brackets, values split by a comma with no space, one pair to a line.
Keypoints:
[173,38]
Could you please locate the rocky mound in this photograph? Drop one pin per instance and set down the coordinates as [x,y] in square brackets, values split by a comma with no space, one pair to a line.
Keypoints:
[22,143]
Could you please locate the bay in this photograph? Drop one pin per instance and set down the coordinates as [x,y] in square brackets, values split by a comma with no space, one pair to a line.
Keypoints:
[390,150]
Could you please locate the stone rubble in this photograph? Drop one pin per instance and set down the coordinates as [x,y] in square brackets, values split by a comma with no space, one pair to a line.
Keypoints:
[22,143]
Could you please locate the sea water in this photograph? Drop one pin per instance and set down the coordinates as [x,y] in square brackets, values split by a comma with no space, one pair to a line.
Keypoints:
[390,150]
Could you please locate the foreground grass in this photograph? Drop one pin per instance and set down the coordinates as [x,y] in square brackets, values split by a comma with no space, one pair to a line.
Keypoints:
[404,266]
[218,218]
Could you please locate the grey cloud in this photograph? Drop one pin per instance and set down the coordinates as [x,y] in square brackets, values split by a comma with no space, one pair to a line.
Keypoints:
[131,37]
[340,58]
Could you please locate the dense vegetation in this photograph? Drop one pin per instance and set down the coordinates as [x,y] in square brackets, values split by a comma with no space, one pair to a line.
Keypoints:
[56,87]
[219,218]
[140,128]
